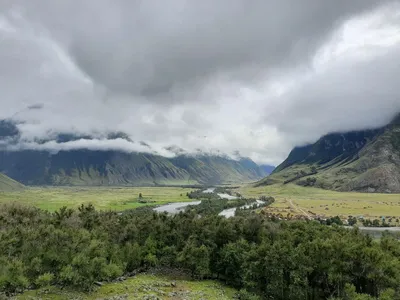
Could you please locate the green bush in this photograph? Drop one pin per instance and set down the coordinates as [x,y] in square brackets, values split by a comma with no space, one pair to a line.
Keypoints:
[44,280]
[265,260]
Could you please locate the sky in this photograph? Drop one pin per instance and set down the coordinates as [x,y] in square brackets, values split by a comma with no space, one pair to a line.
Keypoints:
[236,77]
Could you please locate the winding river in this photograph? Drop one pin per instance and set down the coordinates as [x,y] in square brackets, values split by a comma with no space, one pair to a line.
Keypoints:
[230,212]
[174,208]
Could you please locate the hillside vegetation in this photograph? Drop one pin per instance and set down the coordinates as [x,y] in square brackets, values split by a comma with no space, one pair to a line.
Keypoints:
[85,167]
[366,161]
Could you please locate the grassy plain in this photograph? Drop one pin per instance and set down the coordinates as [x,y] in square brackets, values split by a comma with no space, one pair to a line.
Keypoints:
[144,286]
[326,202]
[289,198]
[114,198]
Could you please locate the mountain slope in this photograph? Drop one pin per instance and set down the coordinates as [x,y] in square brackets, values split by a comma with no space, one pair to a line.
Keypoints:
[91,167]
[366,161]
[205,169]
[86,167]
[7,184]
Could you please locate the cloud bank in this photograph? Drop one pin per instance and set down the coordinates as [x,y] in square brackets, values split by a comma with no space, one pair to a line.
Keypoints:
[255,77]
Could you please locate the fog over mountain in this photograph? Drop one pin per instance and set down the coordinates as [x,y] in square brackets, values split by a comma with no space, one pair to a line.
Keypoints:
[250,77]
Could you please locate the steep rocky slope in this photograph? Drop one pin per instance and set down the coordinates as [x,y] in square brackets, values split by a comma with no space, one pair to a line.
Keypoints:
[367,161]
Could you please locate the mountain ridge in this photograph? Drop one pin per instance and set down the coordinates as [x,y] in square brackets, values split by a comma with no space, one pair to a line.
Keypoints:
[88,167]
[114,167]
[366,161]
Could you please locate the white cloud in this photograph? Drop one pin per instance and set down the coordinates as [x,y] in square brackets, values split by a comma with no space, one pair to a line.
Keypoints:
[243,78]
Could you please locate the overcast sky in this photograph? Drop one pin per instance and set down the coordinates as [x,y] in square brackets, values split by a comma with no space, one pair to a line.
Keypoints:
[258,77]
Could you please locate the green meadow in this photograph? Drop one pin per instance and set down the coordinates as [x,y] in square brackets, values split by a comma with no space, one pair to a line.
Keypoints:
[318,201]
[326,202]
[113,198]
[143,286]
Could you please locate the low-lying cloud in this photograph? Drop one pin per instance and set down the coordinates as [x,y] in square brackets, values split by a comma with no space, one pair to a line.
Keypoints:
[255,77]
[89,144]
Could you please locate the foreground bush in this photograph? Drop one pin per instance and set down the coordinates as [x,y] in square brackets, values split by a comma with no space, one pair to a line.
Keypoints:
[263,259]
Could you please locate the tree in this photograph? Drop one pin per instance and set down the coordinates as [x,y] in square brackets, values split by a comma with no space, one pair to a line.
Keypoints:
[12,278]
[376,223]
[352,221]
[195,258]
[44,280]
[232,257]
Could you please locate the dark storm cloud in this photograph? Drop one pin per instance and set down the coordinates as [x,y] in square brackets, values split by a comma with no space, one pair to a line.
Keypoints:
[150,48]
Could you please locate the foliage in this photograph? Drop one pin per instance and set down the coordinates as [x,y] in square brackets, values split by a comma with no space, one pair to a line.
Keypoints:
[264,259]
[352,221]
[211,203]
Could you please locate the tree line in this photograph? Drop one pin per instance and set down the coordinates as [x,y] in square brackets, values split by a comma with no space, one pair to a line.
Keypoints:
[263,259]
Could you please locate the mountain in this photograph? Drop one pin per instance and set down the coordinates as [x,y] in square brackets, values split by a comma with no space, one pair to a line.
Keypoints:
[267,169]
[89,167]
[9,185]
[208,169]
[367,161]
[86,167]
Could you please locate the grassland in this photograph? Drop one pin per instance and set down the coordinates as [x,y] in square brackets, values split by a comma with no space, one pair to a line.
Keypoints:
[114,198]
[290,198]
[144,286]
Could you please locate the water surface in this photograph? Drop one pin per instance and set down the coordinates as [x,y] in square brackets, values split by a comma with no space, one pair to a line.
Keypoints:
[230,212]
[174,208]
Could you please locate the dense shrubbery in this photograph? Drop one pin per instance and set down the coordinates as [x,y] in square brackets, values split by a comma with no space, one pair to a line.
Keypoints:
[209,207]
[199,194]
[211,203]
[285,260]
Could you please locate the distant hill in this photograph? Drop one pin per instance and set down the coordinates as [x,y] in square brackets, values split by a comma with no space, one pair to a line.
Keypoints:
[7,184]
[88,167]
[366,161]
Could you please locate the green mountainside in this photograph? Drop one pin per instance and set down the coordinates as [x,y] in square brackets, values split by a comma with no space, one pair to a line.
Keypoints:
[90,167]
[367,161]
[86,167]
[7,184]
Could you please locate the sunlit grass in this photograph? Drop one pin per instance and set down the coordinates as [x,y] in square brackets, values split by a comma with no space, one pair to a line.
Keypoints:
[329,203]
[114,198]
[145,285]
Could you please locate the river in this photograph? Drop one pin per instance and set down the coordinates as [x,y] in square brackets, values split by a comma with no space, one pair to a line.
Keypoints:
[221,195]
[174,208]
[376,232]
[230,212]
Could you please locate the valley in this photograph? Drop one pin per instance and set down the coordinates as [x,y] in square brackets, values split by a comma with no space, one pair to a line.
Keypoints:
[289,199]
[199,150]
[111,224]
